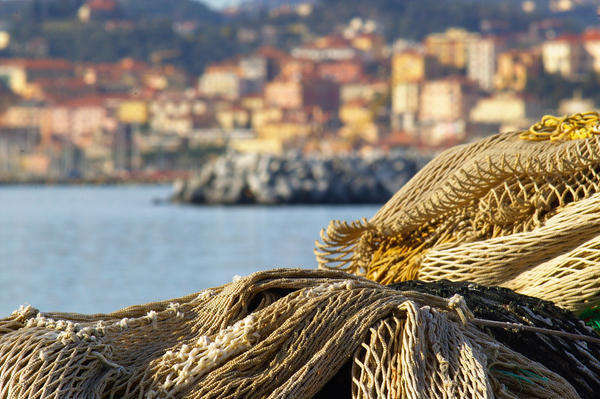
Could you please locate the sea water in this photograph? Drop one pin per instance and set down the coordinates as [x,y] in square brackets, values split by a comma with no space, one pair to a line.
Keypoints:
[94,249]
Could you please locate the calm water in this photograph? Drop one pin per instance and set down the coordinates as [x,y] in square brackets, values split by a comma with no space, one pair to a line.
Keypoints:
[97,249]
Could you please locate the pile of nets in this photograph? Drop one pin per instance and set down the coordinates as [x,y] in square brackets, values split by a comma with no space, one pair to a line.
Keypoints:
[572,359]
[276,334]
[518,210]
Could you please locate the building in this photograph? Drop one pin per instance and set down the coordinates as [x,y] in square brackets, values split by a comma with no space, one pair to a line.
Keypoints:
[222,80]
[310,92]
[34,163]
[364,89]
[14,143]
[481,61]
[408,71]
[528,6]
[60,89]
[80,120]
[233,117]
[20,74]
[253,102]
[328,48]
[323,94]
[257,145]
[451,47]
[284,130]
[297,69]
[515,67]
[175,105]
[275,58]
[23,115]
[561,5]
[565,56]
[124,149]
[174,114]
[444,100]
[304,9]
[275,136]
[505,108]
[4,38]
[341,71]
[443,108]
[253,67]
[356,113]
[15,78]
[359,121]
[591,44]
[408,66]
[285,94]
[576,104]
[130,75]
[405,105]
[442,134]
[264,116]
[97,9]
[368,42]
[253,71]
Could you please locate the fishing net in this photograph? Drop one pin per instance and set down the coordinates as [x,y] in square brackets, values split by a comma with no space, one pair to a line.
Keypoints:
[520,210]
[275,334]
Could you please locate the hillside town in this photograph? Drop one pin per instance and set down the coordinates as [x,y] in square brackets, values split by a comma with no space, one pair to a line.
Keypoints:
[349,91]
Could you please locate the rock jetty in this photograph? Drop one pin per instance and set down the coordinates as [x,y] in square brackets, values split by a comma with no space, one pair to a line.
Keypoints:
[235,178]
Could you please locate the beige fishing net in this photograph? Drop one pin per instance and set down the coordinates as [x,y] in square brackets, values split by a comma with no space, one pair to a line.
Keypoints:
[277,334]
[520,210]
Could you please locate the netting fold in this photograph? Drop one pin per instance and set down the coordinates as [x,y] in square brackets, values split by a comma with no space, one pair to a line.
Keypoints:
[501,211]
[276,334]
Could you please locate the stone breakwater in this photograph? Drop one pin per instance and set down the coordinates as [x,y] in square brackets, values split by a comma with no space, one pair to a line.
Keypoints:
[293,179]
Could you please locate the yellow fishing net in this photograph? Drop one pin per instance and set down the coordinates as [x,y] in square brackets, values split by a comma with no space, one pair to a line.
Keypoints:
[520,210]
[569,127]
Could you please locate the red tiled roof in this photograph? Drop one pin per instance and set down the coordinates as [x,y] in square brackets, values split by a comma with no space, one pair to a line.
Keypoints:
[92,100]
[272,52]
[61,82]
[221,67]
[398,139]
[335,41]
[591,35]
[357,102]
[570,38]
[133,65]
[102,5]
[118,68]
[41,63]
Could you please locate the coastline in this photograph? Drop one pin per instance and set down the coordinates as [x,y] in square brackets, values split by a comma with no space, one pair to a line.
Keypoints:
[126,179]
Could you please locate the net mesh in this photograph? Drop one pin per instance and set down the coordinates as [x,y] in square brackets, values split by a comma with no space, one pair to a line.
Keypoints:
[507,210]
[275,334]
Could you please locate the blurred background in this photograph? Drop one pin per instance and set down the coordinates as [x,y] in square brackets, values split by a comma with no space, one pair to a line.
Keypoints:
[105,103]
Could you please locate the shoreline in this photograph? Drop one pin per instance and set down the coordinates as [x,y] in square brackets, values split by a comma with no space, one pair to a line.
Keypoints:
[86,182]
